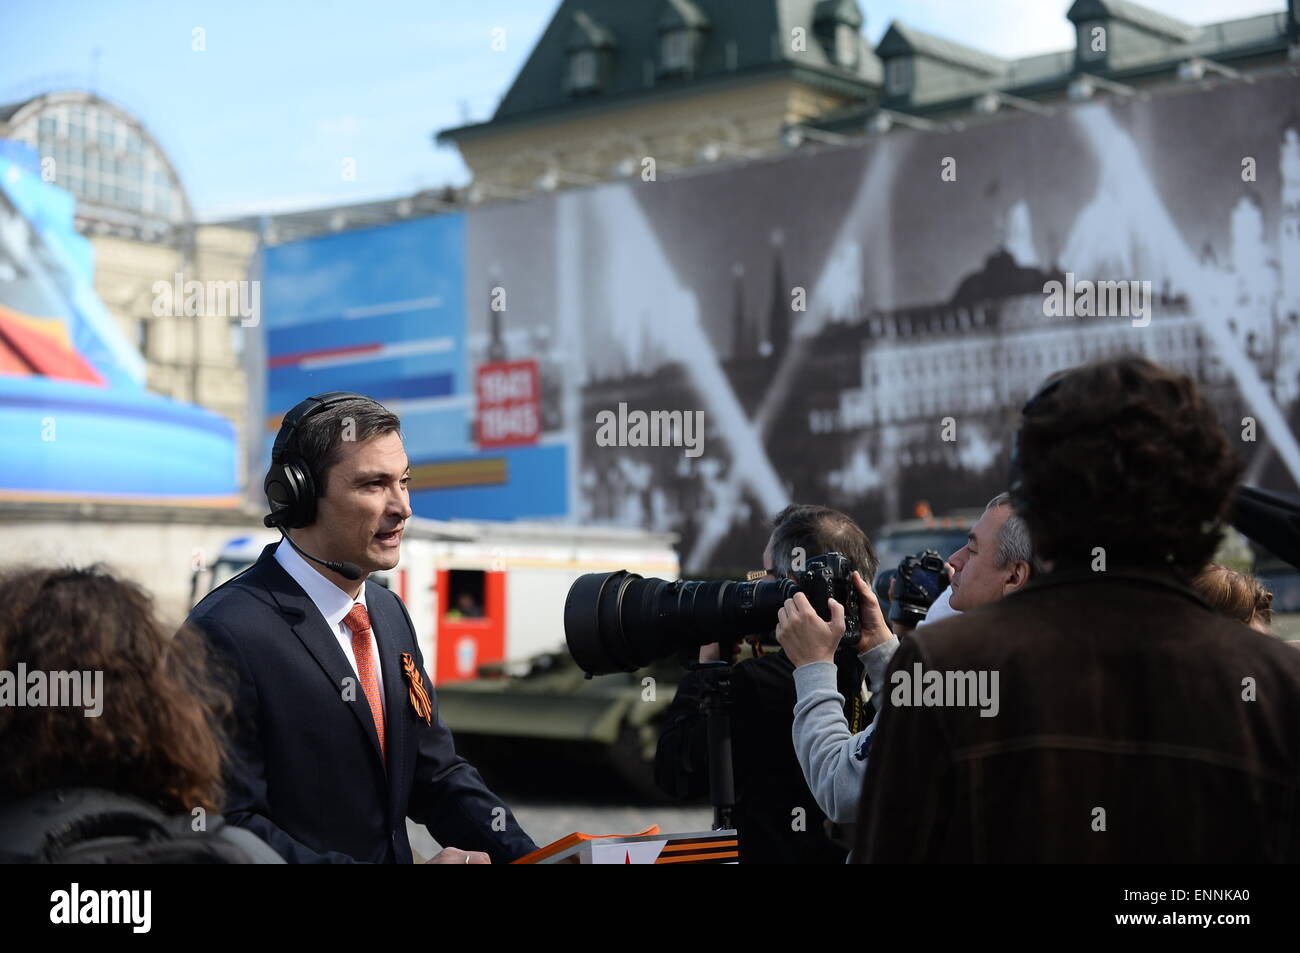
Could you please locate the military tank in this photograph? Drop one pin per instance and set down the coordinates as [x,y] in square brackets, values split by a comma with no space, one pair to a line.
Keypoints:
[545,713]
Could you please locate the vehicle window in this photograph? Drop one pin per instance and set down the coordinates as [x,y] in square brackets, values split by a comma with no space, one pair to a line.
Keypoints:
[466,589]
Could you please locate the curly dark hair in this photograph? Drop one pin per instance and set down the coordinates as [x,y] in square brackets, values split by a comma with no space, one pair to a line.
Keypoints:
[1125,455]
[159,733]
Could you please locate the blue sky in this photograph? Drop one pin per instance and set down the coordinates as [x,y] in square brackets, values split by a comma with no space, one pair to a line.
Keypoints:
[287,89]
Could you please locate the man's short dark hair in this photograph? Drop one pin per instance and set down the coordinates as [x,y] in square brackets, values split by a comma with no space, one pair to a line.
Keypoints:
[1127,456]
[319,439]
[815,530]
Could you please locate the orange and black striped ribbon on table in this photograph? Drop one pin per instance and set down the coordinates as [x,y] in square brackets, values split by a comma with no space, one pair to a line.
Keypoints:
[709,849]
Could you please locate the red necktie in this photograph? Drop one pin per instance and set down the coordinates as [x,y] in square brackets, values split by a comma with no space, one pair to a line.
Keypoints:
[358,620]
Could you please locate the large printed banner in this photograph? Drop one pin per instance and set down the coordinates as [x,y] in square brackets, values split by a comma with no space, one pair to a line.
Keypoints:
[381,312]
[859,326]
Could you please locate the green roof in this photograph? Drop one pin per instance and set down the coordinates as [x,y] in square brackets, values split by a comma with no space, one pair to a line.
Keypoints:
[1232,41]
[738,38]
[1261,30]
[1134,13]
[682,13]
[588,34]
[746,39]
[842,11]
[903,40]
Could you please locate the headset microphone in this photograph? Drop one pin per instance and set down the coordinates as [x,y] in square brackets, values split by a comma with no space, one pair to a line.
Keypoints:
[346,570]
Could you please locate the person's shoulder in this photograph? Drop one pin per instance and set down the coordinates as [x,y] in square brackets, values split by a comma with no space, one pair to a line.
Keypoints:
[389,617]
[1256,649]
[383,600]
[241,599]
[990,636]
[954,630]
[769,677]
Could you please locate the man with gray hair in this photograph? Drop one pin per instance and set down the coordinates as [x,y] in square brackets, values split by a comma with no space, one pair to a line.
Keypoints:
[996,560]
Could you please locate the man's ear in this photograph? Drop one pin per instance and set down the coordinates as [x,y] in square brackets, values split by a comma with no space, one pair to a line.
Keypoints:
[1017,576]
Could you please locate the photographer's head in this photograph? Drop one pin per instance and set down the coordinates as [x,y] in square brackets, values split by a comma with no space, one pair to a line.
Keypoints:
[1123,459]
[997,559]
[1237,595]
[352,450]
[801,531]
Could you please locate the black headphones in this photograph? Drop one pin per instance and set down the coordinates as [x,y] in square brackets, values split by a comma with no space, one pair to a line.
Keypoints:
[290,490]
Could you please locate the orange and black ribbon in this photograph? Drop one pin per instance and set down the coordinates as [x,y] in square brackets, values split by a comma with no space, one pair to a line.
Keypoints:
[419,694]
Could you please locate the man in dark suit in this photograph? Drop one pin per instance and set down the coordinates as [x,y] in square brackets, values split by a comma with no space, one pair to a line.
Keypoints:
[336,736]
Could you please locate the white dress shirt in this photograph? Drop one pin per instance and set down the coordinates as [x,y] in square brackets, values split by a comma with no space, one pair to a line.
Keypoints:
[332,603]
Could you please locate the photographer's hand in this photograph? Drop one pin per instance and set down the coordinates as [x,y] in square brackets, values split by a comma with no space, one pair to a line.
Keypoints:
[875,630]
[806,636]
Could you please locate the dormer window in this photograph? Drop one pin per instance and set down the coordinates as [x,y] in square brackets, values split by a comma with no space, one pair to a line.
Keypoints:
[681,36]
[675,51]
[838,26]
[898,76]
[583,70]
[590,55]
[1117,34]
[1091,35]
[846,46]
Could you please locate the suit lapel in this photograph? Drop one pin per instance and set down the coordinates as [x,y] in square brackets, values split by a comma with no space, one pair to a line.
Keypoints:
[323,645]
[387,626]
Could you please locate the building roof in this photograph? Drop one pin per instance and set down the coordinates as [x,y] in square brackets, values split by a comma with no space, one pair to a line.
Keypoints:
[290,226]
[586,33]
[21,119]
[1045,67]
[1247,40]
[1239,35]
[1135,14]
[740,41]
[842,11]
[902,40]
[682,13]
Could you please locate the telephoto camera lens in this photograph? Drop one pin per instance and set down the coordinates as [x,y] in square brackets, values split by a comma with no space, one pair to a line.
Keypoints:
[621,622]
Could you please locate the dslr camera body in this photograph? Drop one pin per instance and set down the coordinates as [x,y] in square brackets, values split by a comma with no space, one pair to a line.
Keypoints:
[918,581]
[831,577]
